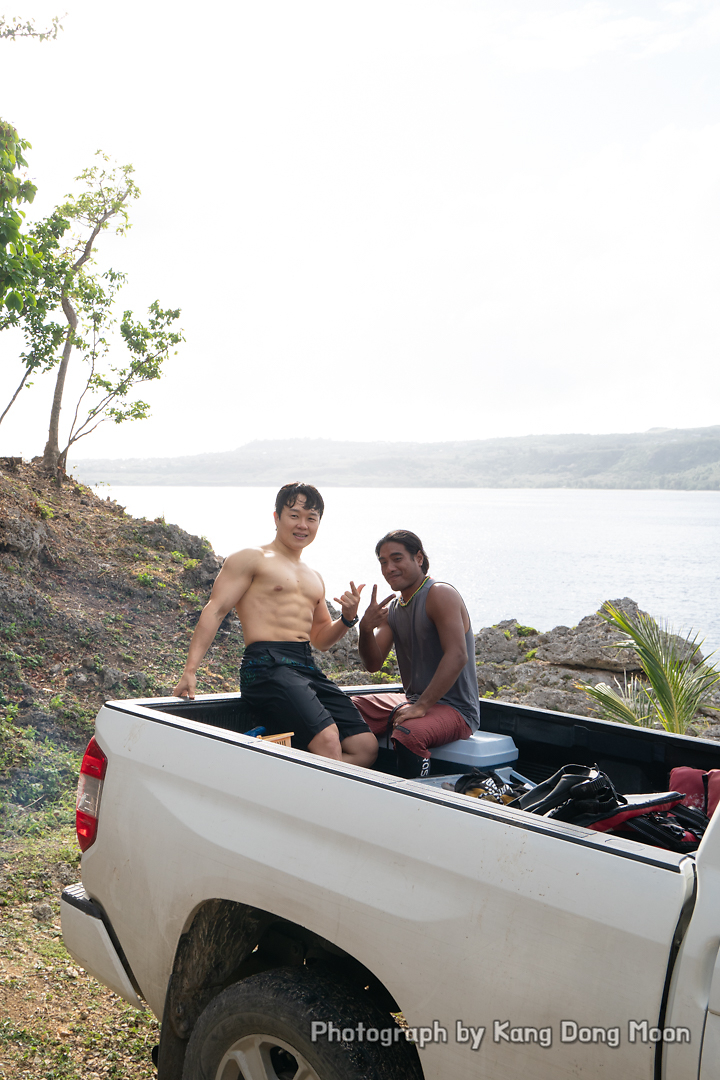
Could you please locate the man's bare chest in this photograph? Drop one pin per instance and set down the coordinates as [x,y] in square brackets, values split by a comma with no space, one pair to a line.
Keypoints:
[284,583]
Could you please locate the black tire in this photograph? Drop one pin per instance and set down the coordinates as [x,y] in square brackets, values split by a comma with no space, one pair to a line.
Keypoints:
[260,1029]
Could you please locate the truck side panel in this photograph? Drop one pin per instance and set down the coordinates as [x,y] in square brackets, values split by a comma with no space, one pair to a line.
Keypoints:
[468,914]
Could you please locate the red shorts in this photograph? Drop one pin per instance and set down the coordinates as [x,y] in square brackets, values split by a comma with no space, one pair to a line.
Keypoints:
[441,724]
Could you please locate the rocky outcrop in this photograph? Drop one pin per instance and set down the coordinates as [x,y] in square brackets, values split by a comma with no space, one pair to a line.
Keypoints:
[546,670]
[591,644]
[343,656]
[161,536]
[501,644]
[22,536]
[209,569]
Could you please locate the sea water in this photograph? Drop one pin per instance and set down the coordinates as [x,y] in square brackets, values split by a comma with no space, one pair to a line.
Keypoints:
[542,556]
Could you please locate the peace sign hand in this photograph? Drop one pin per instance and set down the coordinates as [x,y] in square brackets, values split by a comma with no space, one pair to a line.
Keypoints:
[350,601]
[376,613]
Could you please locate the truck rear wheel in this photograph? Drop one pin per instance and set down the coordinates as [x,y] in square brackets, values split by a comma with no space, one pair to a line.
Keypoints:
[262,1029]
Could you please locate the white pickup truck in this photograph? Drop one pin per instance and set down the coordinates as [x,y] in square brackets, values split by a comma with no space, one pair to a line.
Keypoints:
[292,918]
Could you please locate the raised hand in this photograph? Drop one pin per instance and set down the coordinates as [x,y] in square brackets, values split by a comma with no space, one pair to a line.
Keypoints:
[350,601]
[376,613]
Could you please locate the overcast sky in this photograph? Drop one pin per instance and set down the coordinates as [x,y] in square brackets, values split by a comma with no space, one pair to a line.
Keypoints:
[393,219]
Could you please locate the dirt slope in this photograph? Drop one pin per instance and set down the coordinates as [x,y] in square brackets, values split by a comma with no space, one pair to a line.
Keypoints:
[93,605]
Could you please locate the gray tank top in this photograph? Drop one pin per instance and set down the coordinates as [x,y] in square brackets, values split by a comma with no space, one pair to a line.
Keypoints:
[418,651]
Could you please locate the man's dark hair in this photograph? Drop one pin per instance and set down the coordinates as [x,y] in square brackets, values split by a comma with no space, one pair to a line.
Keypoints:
[288,496]
[410,541]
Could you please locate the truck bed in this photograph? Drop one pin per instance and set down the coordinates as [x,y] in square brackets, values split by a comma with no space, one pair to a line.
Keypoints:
[636,759]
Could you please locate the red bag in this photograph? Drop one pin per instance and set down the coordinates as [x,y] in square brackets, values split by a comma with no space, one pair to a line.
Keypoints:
[701,789]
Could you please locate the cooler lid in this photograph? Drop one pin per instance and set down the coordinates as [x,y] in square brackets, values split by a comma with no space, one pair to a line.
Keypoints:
[484,748]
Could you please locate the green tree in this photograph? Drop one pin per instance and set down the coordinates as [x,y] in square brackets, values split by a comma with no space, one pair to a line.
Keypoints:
[74,312]
[87,300]
[78,291]
[148,344]
[19,261]
[679,680]
[43,336]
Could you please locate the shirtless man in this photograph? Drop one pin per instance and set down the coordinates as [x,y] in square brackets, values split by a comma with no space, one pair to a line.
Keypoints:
[281,604]
[429,627]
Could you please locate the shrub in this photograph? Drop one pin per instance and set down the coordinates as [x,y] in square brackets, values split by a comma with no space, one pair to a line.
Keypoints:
[679,680]
[381,677]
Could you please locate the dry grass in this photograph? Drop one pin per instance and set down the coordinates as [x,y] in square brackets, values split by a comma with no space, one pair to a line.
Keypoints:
[57,1022]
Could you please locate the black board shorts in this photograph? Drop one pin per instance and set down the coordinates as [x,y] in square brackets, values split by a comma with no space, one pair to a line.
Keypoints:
[285,691]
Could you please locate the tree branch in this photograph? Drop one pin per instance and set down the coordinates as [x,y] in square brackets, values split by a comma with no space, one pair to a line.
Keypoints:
[69,312]
[81,434]
[79,402]
[110,212]
[16,29]
[101,405]
[12,399]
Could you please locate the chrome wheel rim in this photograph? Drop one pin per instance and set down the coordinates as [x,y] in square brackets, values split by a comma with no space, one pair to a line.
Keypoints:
[264,1057]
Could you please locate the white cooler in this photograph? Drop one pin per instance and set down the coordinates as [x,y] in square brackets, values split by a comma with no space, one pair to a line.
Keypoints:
[483,750]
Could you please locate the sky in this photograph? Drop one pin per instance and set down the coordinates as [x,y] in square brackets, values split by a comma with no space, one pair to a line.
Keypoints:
[401,220]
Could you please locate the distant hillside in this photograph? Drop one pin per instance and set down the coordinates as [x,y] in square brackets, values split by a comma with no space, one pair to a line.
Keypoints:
[687,459]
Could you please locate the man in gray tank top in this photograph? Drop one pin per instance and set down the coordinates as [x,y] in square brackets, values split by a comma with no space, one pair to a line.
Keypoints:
[429,627]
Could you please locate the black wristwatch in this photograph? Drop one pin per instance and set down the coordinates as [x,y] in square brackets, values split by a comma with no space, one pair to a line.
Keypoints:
[347,623]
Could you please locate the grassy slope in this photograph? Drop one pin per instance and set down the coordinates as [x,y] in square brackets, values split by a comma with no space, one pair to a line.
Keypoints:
[93,604]
[57,1022]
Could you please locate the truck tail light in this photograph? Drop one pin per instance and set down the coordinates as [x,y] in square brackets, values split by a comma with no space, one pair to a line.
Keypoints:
[89,792]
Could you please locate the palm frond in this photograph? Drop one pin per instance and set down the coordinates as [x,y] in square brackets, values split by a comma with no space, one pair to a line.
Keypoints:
[680,679]
[630,705]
